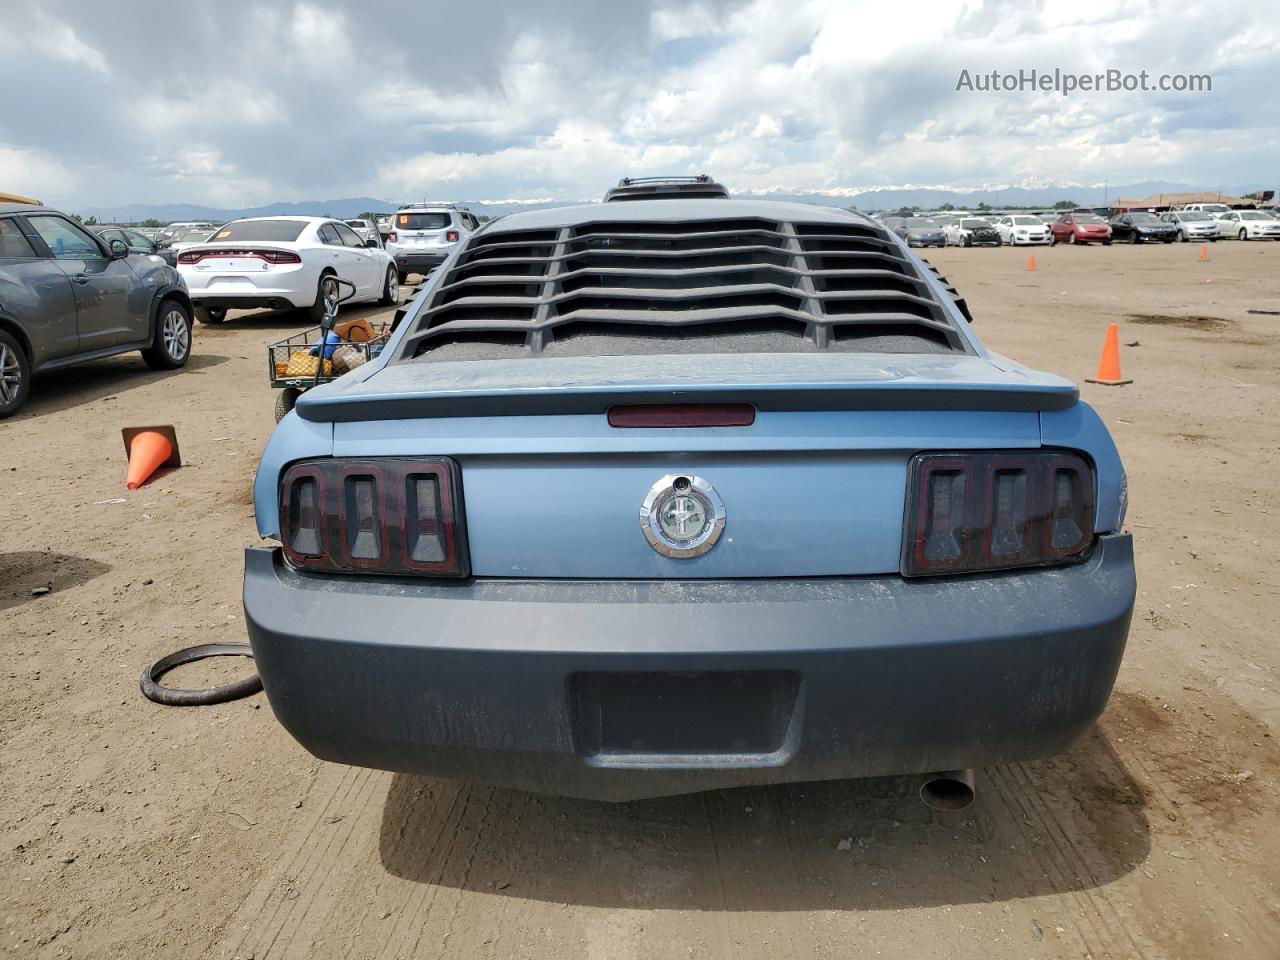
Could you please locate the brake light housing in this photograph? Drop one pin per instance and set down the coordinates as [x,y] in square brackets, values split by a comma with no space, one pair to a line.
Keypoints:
[451,236]
[391,237]
[270,256]
[384,516]
[969,511]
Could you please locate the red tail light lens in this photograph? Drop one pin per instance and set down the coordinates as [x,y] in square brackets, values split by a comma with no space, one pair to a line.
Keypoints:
[682,415]
[391,237]
[385,516]
[968,512]
[451,236]
[270,256]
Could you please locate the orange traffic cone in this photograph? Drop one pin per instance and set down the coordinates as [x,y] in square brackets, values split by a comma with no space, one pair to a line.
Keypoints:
[1031,261]
[1109,362]
[149,449]
[1204,251]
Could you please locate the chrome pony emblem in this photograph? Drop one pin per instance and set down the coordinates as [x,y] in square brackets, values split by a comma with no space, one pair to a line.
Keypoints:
[682,516]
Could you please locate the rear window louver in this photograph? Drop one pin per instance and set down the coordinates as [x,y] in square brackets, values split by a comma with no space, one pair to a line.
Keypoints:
[825,284]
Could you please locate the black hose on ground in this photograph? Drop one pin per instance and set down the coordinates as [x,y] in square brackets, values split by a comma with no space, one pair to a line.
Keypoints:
[176,697]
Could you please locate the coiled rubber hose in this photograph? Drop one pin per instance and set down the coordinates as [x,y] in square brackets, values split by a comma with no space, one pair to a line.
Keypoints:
[176,697]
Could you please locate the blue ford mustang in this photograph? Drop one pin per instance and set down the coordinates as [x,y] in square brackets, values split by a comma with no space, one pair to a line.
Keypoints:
[681,494]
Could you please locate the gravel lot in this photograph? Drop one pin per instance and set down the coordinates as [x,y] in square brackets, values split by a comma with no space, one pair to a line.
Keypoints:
[131,829]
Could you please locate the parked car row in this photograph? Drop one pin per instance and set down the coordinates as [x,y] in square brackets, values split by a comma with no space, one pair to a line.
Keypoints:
[1082,227]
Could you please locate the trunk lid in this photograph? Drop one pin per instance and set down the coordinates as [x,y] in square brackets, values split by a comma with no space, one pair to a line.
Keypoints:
[815,487]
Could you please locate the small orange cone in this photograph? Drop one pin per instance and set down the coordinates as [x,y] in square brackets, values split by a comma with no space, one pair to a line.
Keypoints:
[1204,251]
[1109,362]
[1031,261]
[149,449]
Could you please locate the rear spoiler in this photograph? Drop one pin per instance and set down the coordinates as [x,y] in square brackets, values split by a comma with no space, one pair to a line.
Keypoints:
[771,382]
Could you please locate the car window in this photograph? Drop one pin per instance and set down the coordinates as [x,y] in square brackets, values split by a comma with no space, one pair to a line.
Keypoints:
[423,221]
[329,235]
[348,236]
[136,240]
[278,230]
[13,245]
[66,240]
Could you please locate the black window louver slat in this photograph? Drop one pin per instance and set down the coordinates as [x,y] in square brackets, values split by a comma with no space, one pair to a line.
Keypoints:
[732,283]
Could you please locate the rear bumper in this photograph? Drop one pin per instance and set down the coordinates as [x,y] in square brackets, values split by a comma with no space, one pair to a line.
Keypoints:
[419,262]
[620,690]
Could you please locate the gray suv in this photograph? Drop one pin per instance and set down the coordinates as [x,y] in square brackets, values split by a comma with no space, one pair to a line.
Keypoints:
[67,295]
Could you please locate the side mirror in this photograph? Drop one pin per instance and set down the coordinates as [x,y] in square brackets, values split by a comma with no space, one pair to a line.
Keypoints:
[119,249]
[372,243]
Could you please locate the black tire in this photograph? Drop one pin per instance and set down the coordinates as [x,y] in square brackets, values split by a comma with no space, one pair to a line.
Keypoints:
[171,339]
[967,242]
[325,289]
[1071,238]
[1168,239]
[15,374]
[1133,237]
[1106,243]
[1243,234]
[1182,237]
[404,277]
[390,288]
[285,401]
[211,314]
[1053,239]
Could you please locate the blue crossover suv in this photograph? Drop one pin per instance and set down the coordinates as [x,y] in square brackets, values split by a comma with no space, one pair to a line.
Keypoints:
[681,494]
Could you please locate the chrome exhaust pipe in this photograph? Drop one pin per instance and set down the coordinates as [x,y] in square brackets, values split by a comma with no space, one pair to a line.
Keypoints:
[949,790]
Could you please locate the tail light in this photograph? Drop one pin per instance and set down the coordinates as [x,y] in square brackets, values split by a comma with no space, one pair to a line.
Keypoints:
[451,236]
[968,512]
[385,516]
[391,237]
[270,256]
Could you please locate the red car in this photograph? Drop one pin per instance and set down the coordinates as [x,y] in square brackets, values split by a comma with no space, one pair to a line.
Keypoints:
[1080,228]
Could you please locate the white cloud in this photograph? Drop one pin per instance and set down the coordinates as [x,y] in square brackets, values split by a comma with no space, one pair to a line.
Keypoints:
[58,41]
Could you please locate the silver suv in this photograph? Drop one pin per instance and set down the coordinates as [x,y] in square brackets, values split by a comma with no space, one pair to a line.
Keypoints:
[424,234]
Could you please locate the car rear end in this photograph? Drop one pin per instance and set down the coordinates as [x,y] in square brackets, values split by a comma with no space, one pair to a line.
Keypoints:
[422,239]
[656,501]
[249,264]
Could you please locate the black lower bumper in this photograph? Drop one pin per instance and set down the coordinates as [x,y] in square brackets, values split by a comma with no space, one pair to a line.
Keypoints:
[622,690]
[422,263]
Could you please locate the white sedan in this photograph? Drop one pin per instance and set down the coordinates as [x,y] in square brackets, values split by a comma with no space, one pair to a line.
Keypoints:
[283,263]
[1020,229]
[1249,225]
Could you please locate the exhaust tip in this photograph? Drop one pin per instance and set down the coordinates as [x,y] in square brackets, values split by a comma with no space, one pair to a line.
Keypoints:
[952,790]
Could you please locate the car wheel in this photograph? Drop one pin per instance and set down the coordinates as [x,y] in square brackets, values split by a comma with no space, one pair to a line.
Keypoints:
[1106,243]
[1243,234]
[390,288]
[15,374]
[211,314]
[1182,236]
[1053,239]
[171,341]
[326,299]
[403,277]
[285,401]
[1071,237]
[1133,237]
[967,241]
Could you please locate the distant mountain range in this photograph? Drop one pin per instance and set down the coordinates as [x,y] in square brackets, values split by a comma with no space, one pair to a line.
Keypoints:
[867,200]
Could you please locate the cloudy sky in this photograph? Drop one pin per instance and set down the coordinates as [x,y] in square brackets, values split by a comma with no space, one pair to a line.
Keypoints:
[236,103]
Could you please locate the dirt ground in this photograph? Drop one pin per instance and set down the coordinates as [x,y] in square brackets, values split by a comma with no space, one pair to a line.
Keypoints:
[130,829]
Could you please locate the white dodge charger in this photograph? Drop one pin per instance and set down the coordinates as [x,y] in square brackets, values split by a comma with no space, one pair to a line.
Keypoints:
[284,262]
